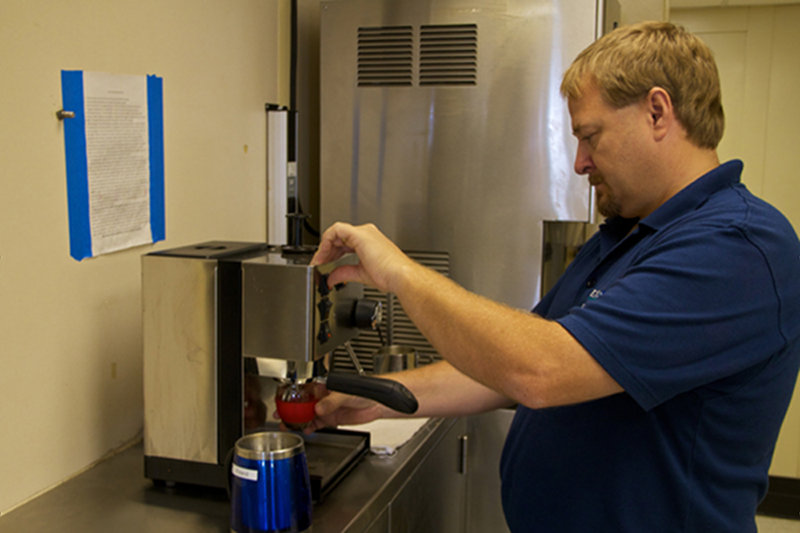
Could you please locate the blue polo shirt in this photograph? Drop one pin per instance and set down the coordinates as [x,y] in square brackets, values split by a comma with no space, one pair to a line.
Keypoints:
[696,314]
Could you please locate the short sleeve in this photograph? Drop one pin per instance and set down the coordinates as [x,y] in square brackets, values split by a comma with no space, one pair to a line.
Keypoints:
[698,306]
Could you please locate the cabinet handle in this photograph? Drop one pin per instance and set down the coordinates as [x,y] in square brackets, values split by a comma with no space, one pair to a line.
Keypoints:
[463,441]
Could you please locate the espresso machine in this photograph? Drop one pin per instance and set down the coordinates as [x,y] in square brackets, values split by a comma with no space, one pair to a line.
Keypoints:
[223,320]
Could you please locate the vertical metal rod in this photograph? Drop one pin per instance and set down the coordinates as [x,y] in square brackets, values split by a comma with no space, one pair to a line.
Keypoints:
[389,319]
[354,358]
[464,447]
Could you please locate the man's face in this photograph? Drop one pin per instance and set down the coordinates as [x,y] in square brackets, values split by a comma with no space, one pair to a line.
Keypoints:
[613,153]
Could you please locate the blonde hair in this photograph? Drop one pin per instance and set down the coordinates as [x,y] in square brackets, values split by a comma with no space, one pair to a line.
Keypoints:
[626,63]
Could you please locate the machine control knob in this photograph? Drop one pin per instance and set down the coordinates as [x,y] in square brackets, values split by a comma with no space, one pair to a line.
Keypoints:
[367,314]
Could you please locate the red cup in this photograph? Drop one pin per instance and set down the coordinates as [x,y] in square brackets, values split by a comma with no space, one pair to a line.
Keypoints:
[295,404]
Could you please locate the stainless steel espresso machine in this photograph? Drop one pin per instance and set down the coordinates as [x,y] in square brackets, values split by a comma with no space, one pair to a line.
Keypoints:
[218,318]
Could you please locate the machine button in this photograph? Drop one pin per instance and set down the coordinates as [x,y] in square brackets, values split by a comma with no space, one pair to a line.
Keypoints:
[323,285]
[324,334]
[325,305]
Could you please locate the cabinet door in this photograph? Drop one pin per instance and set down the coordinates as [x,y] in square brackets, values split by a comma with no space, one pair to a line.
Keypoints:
[434,498]
[487,434]
[381,524]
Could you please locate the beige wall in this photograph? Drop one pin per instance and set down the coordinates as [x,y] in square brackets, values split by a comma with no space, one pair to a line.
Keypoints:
[71,379]
[640,10]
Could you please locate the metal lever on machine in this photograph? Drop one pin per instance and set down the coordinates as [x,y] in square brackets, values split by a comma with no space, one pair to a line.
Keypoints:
[354,358]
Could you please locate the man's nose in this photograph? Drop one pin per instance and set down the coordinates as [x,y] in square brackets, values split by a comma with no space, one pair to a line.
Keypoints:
[583,161]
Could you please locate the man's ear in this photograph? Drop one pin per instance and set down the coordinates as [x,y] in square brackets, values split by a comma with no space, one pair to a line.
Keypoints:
[662,114]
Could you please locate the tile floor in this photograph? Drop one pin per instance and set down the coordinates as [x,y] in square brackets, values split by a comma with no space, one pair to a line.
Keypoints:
[768,524]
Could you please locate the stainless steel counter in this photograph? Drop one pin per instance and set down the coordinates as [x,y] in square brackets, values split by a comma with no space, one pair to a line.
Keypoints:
[114,496]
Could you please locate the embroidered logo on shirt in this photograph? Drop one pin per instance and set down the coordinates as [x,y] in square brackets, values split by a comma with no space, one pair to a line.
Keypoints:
[594,295]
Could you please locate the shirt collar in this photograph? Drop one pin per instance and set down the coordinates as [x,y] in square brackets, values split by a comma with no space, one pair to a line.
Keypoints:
[697,192]
[685,200]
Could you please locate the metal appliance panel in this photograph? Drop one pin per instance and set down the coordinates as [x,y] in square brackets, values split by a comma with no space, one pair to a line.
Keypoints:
[180,358]
[278,309]
[473,165]
[281,316]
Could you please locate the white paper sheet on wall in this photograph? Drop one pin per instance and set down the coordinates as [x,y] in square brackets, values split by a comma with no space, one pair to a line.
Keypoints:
[115,161]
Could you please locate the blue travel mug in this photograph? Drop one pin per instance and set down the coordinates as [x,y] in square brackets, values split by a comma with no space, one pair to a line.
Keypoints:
[270,487]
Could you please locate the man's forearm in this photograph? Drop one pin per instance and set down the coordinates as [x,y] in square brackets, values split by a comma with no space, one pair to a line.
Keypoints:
[523,357]
[444,391]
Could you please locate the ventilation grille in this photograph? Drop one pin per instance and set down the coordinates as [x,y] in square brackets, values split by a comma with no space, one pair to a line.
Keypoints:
[395,327]
[448,55]
[445,54]
[385,56]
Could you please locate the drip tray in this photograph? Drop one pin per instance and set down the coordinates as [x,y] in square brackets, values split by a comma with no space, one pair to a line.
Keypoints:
[331,454]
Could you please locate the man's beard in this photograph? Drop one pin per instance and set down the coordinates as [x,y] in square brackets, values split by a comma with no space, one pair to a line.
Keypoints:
[608,205]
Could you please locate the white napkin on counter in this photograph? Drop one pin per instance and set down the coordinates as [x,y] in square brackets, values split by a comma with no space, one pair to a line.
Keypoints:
[388,434]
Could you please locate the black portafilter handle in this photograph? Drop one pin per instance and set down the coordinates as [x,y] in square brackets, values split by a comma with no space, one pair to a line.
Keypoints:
[388,392]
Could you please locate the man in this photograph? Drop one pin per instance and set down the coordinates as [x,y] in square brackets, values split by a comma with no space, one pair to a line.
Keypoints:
[653,379]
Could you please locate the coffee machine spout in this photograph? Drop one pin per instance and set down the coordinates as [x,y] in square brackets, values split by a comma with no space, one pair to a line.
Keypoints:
[286,369]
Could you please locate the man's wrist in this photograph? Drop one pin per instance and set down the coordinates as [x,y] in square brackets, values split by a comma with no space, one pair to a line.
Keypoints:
[404,276]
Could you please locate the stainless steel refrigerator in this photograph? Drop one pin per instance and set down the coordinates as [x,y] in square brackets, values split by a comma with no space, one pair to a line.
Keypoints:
[442,123]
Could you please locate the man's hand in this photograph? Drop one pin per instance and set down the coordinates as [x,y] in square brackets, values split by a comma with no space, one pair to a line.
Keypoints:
[337,409]
[381,262]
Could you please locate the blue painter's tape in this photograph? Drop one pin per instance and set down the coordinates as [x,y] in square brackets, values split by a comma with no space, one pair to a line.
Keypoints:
[80,235]
[155,120]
